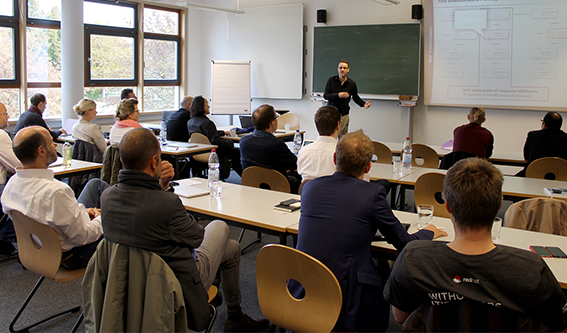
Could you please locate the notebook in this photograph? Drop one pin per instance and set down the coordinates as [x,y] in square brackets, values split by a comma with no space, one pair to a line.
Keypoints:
[188,191]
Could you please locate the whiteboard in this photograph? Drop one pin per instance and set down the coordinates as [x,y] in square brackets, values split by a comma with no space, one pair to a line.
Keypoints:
[272,38]
[231,87]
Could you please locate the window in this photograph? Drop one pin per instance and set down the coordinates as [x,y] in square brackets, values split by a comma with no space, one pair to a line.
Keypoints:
[9,57]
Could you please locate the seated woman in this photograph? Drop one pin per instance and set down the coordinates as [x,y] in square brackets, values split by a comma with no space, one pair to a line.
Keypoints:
[86,131]
[199,123]
[127,115]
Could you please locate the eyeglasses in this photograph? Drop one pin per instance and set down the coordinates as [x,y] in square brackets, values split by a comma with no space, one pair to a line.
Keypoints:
[276,117]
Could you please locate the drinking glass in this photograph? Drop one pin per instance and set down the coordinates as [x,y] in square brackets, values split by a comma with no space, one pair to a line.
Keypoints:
[424,215]
[496,226]
[397,165]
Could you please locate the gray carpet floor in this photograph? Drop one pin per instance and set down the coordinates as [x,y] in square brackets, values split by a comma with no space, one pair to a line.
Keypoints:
[16,282]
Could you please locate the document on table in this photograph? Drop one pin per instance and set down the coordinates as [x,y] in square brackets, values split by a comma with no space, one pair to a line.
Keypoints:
[187,189]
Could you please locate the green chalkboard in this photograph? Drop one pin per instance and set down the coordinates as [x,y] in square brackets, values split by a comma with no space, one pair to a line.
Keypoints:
[384,59]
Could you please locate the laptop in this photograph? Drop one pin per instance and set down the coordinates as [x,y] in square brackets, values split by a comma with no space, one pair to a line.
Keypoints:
[246,122]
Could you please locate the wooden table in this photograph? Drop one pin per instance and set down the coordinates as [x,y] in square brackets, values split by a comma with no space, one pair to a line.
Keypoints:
[517,238]
[246,207]
[77,168]
[68,137]
[180,150]
[286,135]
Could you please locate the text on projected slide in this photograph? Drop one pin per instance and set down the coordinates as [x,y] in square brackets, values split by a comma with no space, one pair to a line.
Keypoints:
[500,53]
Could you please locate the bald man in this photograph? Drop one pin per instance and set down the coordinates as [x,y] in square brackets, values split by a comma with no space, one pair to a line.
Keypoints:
[177,123]
[34,192]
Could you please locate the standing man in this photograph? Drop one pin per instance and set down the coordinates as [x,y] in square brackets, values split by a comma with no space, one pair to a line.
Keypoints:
[339,218]
[127,94]
[549,141]
[34,116]
[472,137]
[338,92]
[316,159]
[471,271]
[177,123]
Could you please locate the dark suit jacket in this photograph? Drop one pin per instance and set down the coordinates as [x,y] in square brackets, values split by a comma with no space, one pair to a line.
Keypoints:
[339,218]
[137,212]
[544,143]
[32,118]
[203,125]
[177,125]
[265,150]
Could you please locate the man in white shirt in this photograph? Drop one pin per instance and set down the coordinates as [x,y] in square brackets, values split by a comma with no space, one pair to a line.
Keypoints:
[34,192]
[316,159]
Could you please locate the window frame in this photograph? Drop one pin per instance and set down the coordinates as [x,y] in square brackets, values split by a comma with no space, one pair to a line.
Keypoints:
[13,22]
[166,83]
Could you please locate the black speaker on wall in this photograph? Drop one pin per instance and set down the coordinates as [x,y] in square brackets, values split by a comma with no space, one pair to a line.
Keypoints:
[321,16]
[417,12]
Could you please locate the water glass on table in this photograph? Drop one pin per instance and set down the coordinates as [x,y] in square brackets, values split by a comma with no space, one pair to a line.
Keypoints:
[424,215]
[496,226]
[397,163]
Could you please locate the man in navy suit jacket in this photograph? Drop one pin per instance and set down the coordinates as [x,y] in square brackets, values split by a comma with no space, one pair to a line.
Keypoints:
[339,218]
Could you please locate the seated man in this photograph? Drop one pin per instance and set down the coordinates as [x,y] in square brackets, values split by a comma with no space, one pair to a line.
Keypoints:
[502,276]
[34,116]
[177,123]
[142,212]
[263,149]
[549,141]
[35,193]
[339,218]
[316,159]
[472,137]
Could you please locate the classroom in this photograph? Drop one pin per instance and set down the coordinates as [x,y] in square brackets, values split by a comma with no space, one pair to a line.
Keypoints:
[207,33]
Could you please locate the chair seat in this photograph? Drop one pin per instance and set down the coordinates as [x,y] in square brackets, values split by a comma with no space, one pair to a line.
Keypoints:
[64,274]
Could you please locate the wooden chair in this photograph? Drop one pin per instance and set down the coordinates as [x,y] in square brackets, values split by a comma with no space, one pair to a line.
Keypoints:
[318,311]
[40,252]
[427,154]
[428,189]
[553,168]
[200,161]
[288,118]
[382,152]
[256,176]
[301,186]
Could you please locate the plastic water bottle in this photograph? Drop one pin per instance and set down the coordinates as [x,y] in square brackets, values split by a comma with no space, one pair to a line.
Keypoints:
[406,154]
[215,185]
[163,133]
[67,154]
[297,141]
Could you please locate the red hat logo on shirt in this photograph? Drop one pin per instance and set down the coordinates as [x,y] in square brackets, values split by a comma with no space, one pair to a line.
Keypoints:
[457,279]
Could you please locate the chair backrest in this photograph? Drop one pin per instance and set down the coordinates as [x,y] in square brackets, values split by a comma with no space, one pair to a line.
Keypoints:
[303,183]
[553,168]
[538,214]
[428,189]
[470,316]
[200,138]
[256,176]
[382,152]
[427,154]
[450,159]
[39,247]
[318,311]
[288,118]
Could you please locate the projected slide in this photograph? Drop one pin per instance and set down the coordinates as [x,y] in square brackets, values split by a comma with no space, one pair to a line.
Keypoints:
[501,53]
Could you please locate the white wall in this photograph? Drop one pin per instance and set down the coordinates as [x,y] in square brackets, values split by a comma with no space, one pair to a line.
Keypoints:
[384,121]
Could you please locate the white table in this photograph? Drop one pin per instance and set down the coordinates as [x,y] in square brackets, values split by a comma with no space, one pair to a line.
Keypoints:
[280,133]
[180,150]
[77,168]
[248,207]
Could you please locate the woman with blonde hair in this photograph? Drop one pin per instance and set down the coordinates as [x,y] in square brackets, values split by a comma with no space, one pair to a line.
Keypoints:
[85,130]
[126,116]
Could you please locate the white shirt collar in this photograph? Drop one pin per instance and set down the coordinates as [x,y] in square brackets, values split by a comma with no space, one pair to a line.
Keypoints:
[31,173]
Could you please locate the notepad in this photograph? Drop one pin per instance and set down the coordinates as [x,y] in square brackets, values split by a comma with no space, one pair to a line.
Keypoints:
[188,191]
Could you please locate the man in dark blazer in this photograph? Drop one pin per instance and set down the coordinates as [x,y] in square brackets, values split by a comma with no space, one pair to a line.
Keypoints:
[549,141]
[339,218]
[141,211]
[263,149]
[34,116]
[177,123]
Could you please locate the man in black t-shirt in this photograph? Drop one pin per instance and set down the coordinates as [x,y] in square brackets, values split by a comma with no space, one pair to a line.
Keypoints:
[338,92]
[471,268]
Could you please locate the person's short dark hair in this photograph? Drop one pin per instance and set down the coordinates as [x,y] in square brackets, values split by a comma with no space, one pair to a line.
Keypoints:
[553,120]
[125,92]
[137,148]
[37,98]
[354,152]
[263,116]
[326,120]
[344,61]
[197,107]
[26,151]
[473,192]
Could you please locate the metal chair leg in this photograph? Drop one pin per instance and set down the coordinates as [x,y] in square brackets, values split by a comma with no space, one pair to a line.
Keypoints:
[78,322]
[28,299]
[249,246]
[213,317]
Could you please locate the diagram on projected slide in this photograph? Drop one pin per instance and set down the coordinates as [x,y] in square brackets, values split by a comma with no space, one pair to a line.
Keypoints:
[507,54]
